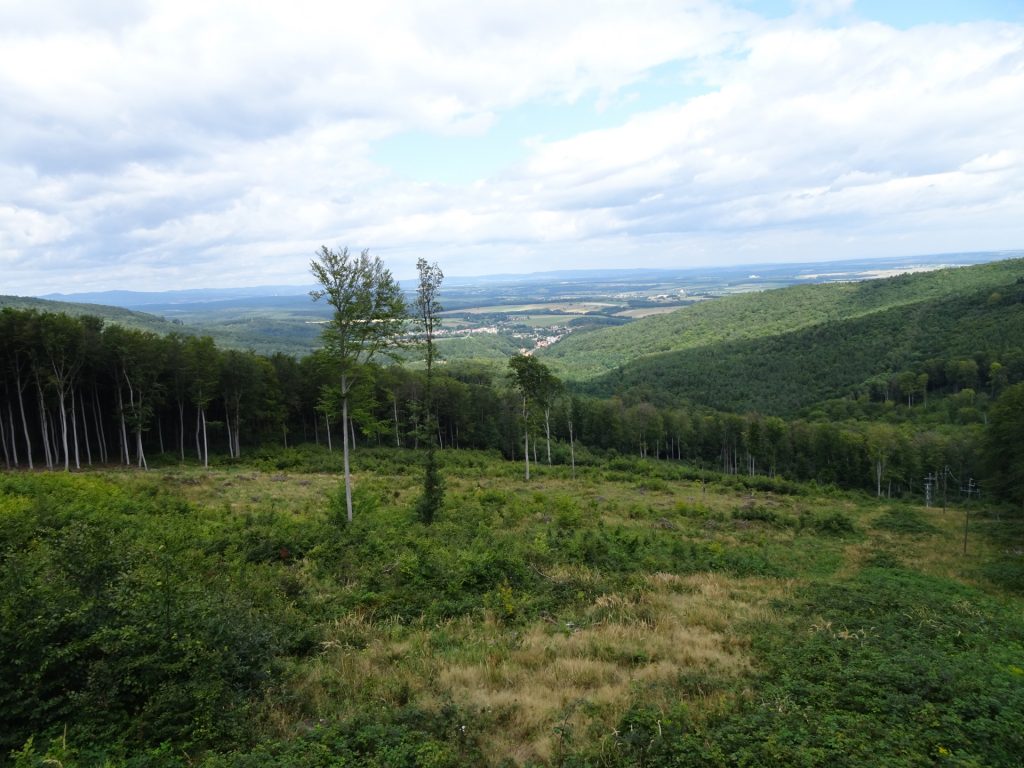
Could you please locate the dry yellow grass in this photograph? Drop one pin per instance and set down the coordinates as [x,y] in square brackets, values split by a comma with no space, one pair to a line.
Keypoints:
[586,677]
[528,682]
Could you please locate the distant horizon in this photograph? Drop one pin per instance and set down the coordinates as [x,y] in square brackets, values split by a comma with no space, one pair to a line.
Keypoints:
[284,289]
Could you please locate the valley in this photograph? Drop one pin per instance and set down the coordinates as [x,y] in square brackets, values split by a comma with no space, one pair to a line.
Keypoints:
[764,528]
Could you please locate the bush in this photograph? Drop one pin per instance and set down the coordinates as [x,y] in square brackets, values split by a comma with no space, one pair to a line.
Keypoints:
[110,617]
[833,523]
[904,520]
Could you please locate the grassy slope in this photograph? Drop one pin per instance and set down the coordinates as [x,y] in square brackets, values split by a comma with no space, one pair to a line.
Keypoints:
[786,372]
[631,616]
[760,315]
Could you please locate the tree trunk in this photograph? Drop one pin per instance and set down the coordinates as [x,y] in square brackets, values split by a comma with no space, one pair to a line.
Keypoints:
[14,439]
[526,438]
[206,443]
[43,425]
[124,429]
[572,450]
[61,402]
[3,441]
[74,429]
[138,450]
[24,421]
[327,422]
[227,426]
[181,428]
[85,428]
[547,431]
[199,424]
[139,453]
[344,443]
[160,433]
[51,426]
[394,401]
[100,430]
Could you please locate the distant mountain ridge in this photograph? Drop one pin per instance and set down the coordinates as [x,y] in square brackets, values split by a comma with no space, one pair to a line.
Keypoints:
[815,271]
[133,299]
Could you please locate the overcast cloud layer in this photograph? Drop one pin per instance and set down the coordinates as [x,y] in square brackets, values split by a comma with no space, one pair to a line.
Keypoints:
[183,144]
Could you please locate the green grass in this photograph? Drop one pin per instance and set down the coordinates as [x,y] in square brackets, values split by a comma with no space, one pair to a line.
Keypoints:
[632,615]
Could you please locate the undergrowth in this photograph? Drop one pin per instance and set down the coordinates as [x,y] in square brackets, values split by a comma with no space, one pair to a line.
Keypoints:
[232,617]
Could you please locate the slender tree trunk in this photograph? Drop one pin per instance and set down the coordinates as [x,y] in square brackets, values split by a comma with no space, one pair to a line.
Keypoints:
[238,430]
[352,430]
[14,439]
[124,429]
[74,430]
[139,453]
[316,428]
[227,426]
[51,424]
[344,442]
[62,404]
[572,450]
[526,438]
[327,422]
[3,441]
[181,428]
[44,426]
[24,421]
[199,425]
[394,402]
[85,429]
[101,430]
[138,450]
[206,442]
[547,431]
[160,432]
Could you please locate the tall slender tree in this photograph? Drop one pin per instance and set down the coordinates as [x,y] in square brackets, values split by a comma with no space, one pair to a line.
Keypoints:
[537,386]
[369,317]
[428,309]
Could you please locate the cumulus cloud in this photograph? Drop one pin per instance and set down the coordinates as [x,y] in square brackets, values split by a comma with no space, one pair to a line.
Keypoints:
[190,143]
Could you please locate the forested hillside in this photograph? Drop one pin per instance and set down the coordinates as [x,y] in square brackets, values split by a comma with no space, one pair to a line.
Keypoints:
[770,313]
[783,373]
[128,318]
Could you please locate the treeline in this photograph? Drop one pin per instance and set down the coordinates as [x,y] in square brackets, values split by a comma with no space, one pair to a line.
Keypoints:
[76,392]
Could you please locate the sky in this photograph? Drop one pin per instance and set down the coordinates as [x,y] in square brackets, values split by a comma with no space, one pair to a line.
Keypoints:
[156,145]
